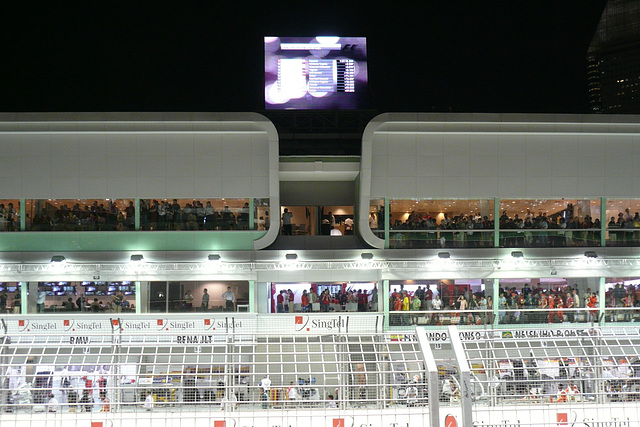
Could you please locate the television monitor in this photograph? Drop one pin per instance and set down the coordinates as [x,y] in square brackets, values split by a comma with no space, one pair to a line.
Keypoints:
[90,289]
[111,288]
[12,288]
[315,73]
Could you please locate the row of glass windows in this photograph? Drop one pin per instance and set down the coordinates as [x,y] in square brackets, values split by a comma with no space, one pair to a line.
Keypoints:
[421,223]
[127,215]
[466,301]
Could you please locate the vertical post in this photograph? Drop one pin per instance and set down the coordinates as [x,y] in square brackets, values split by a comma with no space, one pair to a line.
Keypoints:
[251,225]
[465,376]
[386,223]
[384,297]
[252,296]
[603,222]
[142,297]
[136,216]
[496,295]
[602,302]
[22,212]
[496,224]
[433,385]
[30,299]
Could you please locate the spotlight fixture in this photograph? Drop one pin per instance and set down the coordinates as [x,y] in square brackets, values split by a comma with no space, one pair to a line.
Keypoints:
[136,257]
[214,257]
[58,258]
[291,257]
[444,255]
[553,272]
[591,254]
[366,255]
[517,254]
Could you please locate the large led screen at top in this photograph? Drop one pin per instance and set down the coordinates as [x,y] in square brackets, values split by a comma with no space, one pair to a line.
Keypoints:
[315,73]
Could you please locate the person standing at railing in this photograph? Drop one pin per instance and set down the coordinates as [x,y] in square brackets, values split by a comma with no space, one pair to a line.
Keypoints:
[502,306]
[570,304]
[416,304]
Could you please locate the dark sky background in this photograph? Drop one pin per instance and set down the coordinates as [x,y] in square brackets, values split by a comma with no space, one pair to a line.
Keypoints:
[482,56]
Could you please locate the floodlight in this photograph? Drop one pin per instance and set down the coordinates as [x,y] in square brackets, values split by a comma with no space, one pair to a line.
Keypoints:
[517,254]
[58,258]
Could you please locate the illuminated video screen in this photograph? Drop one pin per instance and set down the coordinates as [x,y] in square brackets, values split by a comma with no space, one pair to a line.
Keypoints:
[315,73]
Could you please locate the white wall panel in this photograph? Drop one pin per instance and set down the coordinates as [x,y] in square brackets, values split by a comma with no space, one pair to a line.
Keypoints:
[455,165]
[122,158]
[401,166]
[427,165]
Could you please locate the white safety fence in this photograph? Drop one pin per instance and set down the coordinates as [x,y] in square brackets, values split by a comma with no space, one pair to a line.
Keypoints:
[185,371]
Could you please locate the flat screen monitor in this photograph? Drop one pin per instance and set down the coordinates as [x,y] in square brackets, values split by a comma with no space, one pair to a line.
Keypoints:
[315,73]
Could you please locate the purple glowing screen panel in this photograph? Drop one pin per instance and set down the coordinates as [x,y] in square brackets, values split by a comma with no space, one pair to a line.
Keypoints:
[315,73]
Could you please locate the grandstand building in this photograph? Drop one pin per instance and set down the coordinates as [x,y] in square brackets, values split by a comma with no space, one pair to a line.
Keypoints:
[173,269]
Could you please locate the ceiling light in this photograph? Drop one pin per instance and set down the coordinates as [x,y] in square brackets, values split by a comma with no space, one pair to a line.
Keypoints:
[444,255]
[291,257]
[214,257]
[136,258]
[591,254]
[58,258]
[517,254]
[366,255]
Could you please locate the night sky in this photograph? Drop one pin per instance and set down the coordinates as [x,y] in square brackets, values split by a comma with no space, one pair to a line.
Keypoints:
[482,56]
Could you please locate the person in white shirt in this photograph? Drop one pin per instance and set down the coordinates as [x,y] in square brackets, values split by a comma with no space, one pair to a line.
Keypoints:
[229,299]
[52,404]
[292,393]
[229,403]
[331,403]
[148,402]
[42,296]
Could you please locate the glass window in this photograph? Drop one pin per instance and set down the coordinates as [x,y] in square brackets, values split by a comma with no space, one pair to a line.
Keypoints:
[336,220]
[622,294]
[94,297]
[623,222]
[10,297]
[80,215]
[194,214]
[200,296]
[9,215]
[546,223]
[261,219]
[441,223]
[323,297]
[376,217]
[547,300]
[441,302]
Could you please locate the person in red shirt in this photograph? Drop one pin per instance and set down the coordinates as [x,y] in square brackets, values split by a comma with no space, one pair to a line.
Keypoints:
[559,305]
[551,303]
[571,315]
[280,302]
[305,301]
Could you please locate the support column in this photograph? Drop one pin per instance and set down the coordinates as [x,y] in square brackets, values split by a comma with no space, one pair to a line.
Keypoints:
[496,223]
[29,301]
[603,222]
[602,302]
[251,226]
[496,295]
[384,297]
[465,377]
[386,222]
[142,295]
[136,216]
[22,214]
[252,295]
[432,381]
